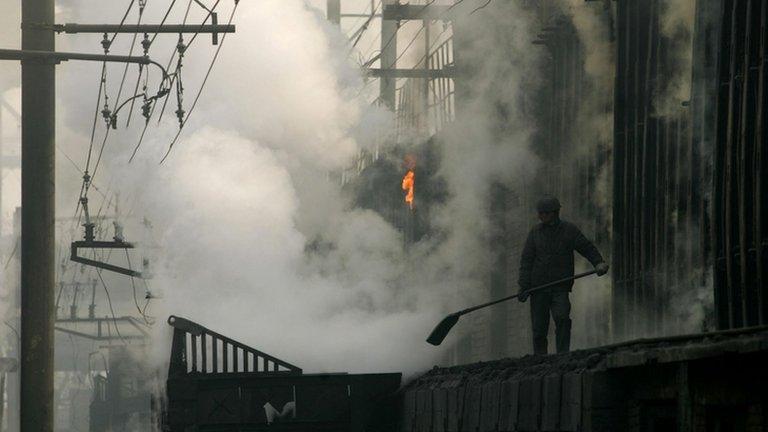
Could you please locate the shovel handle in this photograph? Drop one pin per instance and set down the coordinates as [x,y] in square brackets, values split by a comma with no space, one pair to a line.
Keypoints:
[532,290]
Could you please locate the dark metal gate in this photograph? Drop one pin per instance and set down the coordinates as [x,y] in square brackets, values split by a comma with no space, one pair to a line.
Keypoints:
[218,384]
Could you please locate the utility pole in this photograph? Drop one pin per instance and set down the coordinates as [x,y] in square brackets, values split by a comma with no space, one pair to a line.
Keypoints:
[38,100]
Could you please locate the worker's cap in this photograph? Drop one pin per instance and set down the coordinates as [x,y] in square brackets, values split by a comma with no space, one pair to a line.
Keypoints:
[547,204]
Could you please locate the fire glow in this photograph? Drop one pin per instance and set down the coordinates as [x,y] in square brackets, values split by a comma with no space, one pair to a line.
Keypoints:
[408,183]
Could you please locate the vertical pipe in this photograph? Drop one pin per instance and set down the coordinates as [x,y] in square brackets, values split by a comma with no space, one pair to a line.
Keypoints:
[333,11]
[742,154]
[759,143]
[645,143]
[37,226]
[728,173]
[425,102]
[718,231]
[618,299]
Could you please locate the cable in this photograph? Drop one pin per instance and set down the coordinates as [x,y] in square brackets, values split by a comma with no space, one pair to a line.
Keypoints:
[13,252]
[170,60]
[122,21]
[130,53]
[175,74]
[394,35]
[481,7]
[456,3]
[106,44]
[109,301]
[205,80]
[162,22]
[133,285]
[359,32]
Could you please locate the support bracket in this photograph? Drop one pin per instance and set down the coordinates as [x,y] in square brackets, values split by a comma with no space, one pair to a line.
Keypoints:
[85,244]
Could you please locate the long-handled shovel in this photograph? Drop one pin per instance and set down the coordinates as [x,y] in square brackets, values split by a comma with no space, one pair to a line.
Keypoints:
[441,330]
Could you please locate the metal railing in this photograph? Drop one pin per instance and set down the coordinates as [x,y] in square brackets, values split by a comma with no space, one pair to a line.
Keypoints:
[197,349]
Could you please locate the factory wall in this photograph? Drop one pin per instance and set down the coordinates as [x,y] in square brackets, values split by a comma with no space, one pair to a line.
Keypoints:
[739,201]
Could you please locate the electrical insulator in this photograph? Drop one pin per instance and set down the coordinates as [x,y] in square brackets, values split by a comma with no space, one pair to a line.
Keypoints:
[180,114]
[146,43]
[106,43]
[107,114]
[89,235]
[180,47]
[146,109]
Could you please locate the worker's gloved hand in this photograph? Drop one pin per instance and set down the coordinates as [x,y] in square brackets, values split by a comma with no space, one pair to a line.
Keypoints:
[523,297]
[601,268]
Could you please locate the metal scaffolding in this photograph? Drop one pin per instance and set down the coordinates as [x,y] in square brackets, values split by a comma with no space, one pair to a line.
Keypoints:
[657,201]
[739,212]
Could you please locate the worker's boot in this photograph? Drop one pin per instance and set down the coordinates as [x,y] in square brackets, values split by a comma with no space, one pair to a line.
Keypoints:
[563,335]
[540,345]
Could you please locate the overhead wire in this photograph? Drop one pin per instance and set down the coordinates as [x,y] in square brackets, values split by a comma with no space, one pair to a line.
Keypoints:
[142,4]
[205,80]
[106,44]
[178,63]
[133,286]
[394,36]
[111,309]
[481,7]
[151,41]
[358,34]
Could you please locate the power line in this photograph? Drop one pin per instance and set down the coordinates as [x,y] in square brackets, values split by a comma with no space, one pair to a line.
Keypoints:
[205,80]
[133,286]
[481,7]
[361,31]
[109,301]
[130,52]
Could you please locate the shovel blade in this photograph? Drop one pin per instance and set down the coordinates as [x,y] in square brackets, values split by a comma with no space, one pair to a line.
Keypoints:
[441,329]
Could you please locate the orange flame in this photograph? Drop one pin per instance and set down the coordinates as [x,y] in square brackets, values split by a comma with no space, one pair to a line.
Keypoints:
[408,183]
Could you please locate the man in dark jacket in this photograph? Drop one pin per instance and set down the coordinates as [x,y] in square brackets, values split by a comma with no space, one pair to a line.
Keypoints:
[547,257]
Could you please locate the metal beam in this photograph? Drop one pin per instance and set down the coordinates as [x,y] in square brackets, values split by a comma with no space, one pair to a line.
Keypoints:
[11,54]
[412,73]
[71,28]
[99,264]
[404,12]
[54,57]
[388,58]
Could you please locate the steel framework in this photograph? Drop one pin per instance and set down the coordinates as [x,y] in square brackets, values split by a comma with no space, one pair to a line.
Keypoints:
[739,212]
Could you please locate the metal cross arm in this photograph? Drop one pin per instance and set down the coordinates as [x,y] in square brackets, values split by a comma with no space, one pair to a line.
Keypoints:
[85,244]
[143,28]
[57,57]
[214,29]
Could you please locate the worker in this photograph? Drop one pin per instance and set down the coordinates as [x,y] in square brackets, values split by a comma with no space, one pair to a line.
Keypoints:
[548,257]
